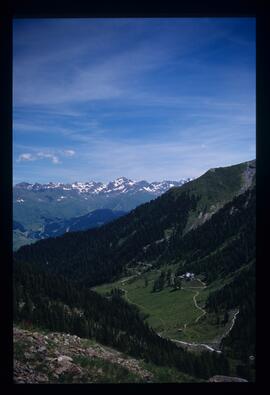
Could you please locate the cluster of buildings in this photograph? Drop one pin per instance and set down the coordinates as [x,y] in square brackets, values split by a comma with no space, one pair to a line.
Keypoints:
[187,276]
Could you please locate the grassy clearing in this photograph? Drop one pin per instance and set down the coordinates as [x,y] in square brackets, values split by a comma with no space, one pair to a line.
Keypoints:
[167,311]
[171,313]
[204,331]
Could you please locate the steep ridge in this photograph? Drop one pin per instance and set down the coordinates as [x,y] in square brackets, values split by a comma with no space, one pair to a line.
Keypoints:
[92,220]
[36,205]
[57,226]
[31,202]
[145,234]
[220,249]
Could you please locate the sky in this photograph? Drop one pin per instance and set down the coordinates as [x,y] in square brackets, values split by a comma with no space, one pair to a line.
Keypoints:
[149,98]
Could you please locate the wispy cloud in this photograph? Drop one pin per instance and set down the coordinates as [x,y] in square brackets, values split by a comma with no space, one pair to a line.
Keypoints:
[69,152]
[26,157]
[64,73]
[40,155]
[145,98]
[36,154]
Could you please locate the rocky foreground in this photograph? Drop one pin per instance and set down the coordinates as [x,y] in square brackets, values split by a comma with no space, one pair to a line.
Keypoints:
[63,358]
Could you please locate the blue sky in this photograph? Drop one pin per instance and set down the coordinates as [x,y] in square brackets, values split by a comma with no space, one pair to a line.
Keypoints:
[153,99]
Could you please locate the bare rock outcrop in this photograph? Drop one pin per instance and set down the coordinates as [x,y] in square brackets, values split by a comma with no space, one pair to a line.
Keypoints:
[59,357]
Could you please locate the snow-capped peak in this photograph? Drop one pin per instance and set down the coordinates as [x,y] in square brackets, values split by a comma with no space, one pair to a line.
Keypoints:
[119,185]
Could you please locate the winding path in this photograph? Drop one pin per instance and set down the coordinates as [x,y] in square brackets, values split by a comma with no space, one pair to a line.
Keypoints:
[195,301]
[197,319]
[206,345]
[209,348]
[198,307]
[196,345]
[233,322]
[128,278]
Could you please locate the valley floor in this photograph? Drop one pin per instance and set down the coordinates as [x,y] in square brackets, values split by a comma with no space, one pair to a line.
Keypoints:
[178,315]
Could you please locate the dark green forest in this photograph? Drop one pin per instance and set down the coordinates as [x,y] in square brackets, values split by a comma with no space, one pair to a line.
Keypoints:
[99,255]
[52,302]
[52,278]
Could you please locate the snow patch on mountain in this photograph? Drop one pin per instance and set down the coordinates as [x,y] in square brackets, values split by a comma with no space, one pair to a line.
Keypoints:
[119,185]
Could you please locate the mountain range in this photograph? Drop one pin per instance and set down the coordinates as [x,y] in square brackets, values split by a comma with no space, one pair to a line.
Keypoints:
[151,226]
[205,227]
[119,185]
[38,209]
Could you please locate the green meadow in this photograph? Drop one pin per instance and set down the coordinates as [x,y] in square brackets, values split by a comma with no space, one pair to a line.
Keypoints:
[172,313]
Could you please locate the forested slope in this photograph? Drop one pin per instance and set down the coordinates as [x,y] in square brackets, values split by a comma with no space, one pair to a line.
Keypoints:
[221,249]
[99,255]
[54,303]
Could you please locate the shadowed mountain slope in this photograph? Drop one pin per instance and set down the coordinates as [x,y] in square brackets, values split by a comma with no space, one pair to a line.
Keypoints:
[99,255]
